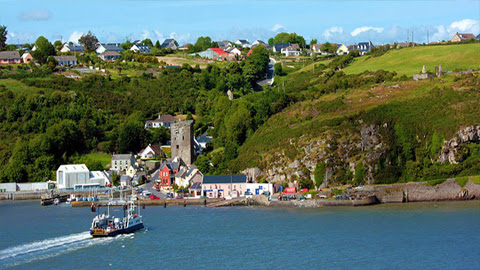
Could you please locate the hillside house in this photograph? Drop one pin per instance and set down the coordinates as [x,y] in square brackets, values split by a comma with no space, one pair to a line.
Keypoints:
[234,50]
[67,47]
[121,162]
[317,48]
[140,48]
[221,186]
[66,60]
[164,121]
[9,57]
[462,37]
[341,49]
[244,43]
[213,53]
[278,47]
[224,45]
[151,151]
[125,181]
[188,176]
[109,56]
[26,58]
[169,43]
[108,47]
[364,47]
[185,47]
[292,50]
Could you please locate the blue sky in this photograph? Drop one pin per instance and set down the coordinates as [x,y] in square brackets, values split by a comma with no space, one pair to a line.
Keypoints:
[335,21]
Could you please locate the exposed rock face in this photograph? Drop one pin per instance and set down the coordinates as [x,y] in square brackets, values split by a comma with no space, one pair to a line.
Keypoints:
[450,148]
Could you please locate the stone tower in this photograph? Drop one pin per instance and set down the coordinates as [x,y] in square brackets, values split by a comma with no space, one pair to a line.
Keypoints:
[182,141]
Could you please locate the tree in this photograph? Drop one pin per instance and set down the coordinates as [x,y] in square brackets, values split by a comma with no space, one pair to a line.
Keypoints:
[157,45]
[327,47]
[51,62]
[132,137]
[116,180]
[43,50]
[278,69]
[313,41]
[58,45]
[88,41]
[3,37]
[319,174]
[126,45]
[148,42]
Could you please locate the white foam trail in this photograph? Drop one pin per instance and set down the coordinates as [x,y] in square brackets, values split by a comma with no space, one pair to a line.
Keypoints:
[48,248]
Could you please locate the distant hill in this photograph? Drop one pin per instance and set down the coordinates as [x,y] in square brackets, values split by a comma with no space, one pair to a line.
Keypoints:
[411,60]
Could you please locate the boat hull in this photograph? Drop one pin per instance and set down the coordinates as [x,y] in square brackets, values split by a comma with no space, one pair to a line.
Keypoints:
[104,233]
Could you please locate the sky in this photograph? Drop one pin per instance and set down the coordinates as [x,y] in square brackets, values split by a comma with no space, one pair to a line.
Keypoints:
[346,21]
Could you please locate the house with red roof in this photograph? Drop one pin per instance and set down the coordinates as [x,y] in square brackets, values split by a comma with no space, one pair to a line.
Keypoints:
[462,37]
[151,151]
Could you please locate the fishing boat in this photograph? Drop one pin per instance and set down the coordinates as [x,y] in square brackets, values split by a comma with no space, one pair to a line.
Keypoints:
[104,225]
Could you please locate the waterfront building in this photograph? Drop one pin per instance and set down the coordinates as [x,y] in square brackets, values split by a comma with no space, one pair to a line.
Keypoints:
[221,186]
[259,188]
[70,175]
[121,162]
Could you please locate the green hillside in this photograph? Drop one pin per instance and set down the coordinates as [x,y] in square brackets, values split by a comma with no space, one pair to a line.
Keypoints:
[411,60]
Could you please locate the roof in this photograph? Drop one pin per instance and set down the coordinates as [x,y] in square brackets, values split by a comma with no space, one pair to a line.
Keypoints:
[278,47]
[25,55]
[195,186]
[204,139]
[65,58]
[142,48]
[97,175]
[224,179]
[74,47]
[478,37]
[112,47]
[465,36]
[243,41]
[167,42]
[125,178]
[9,55]
[121,156]
[110,53]
[73,168]
[219,51]
[166,118]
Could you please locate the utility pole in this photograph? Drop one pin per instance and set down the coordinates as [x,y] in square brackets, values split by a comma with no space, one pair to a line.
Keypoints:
[428,39]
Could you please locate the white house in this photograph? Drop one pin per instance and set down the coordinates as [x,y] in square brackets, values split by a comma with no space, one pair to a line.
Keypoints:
[100,178]
[72,48]
[70,175]
[162,121]
[244,43]
[292,50]
[121,162]
[105,47]
[259,189]
[150,152]
[66,60]
[140,48]
[342,49]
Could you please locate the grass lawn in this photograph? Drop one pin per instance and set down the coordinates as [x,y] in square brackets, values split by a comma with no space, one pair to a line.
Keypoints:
[105,159]
[19,87]
[409,61]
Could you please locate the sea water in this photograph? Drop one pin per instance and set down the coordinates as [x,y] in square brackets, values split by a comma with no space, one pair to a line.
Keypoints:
[440,235]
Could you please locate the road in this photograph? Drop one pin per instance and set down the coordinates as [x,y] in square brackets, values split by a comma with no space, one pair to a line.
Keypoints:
[270,74]
[149,186]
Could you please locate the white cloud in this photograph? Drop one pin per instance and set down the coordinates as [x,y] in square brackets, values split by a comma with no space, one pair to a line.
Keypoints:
[329,33]
[11,34]
[278,27]
[75,36]
[466,25]
[363,29]
[35,15]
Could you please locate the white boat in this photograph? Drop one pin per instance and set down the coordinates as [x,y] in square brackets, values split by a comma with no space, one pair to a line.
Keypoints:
[56,201]
[104,225]
[71,199]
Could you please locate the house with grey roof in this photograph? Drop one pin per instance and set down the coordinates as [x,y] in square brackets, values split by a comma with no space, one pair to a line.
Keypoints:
[108,47]
[121,162]
[9,57]
[364,47]
[169,43]
[109,56]
[278,47]
[221,186]
[244,43]
[72,47]
[66,60]
[140,48]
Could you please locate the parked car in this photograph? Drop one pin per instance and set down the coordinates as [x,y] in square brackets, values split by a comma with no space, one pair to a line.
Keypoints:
[154,197]
[146,193]
[169,195]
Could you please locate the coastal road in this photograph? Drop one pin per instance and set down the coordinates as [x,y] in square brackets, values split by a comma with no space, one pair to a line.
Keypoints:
[149,186]
[270,74]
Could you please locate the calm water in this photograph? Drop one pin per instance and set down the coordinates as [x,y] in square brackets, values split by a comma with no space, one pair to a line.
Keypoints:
[401,236]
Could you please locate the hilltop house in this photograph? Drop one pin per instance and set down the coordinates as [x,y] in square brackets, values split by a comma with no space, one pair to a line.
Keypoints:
[224,45]
[164,121]
[108,47]
[9,57]
[364,47]
[292,50]
[66,60]
[121,162]
[67,47]
[150,152]
[212,53]
[243,42]
[109,56]
[169,44]
[341,49]
[278,47]
[234,50]
[140,48]
[26,58]
[462,37]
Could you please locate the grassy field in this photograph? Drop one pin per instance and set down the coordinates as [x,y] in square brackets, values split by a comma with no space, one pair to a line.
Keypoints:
[409,61]
[19,87]
[105,159]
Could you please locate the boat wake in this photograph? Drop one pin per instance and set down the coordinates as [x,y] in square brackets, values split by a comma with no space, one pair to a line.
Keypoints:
[48,248]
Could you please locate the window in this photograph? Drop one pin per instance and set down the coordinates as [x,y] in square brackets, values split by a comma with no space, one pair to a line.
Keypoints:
[177,146]
[234,186]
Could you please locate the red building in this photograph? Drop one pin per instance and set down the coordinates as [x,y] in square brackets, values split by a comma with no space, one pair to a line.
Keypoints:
[167,172]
